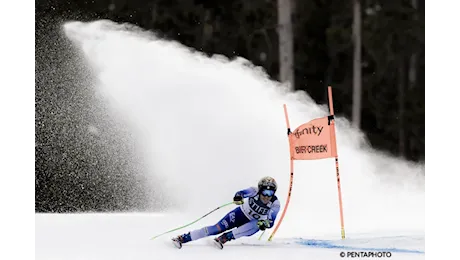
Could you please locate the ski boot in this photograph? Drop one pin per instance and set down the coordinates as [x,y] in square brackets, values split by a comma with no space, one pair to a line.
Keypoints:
[222,239]
[178,241]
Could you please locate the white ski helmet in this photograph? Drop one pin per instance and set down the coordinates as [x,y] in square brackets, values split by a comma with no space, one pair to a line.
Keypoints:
[267,183]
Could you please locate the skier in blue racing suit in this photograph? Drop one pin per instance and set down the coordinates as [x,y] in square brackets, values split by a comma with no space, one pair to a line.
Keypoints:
[258,208]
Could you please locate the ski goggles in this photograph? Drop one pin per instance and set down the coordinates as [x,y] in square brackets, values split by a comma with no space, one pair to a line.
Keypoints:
[268,193]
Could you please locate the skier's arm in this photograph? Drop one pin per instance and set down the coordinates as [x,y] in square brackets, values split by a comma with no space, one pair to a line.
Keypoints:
[247,192]
[273,213]
[240,195]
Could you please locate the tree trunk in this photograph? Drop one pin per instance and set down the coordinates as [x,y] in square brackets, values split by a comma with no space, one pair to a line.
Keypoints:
[413,70]
[357,92]
[413,58]
[286,42]
[402,108]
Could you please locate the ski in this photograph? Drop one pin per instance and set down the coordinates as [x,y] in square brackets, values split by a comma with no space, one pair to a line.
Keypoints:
[217,244]
[176,243]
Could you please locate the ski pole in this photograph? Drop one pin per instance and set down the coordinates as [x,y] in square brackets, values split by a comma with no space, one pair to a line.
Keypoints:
[193,221]
[262,234]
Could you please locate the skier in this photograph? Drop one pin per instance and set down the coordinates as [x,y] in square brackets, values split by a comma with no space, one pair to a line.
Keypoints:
[258,208]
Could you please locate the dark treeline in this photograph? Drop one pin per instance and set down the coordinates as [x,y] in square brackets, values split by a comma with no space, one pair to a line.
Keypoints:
[393,85]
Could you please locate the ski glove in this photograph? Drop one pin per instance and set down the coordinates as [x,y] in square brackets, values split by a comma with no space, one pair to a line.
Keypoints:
[238,199]
[263,224]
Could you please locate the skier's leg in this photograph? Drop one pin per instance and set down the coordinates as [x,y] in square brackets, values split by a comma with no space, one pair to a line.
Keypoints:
[244,228]
[231,220]
[247,229]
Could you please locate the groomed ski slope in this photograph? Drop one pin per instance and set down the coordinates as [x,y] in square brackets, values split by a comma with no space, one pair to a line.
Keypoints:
[127,236]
